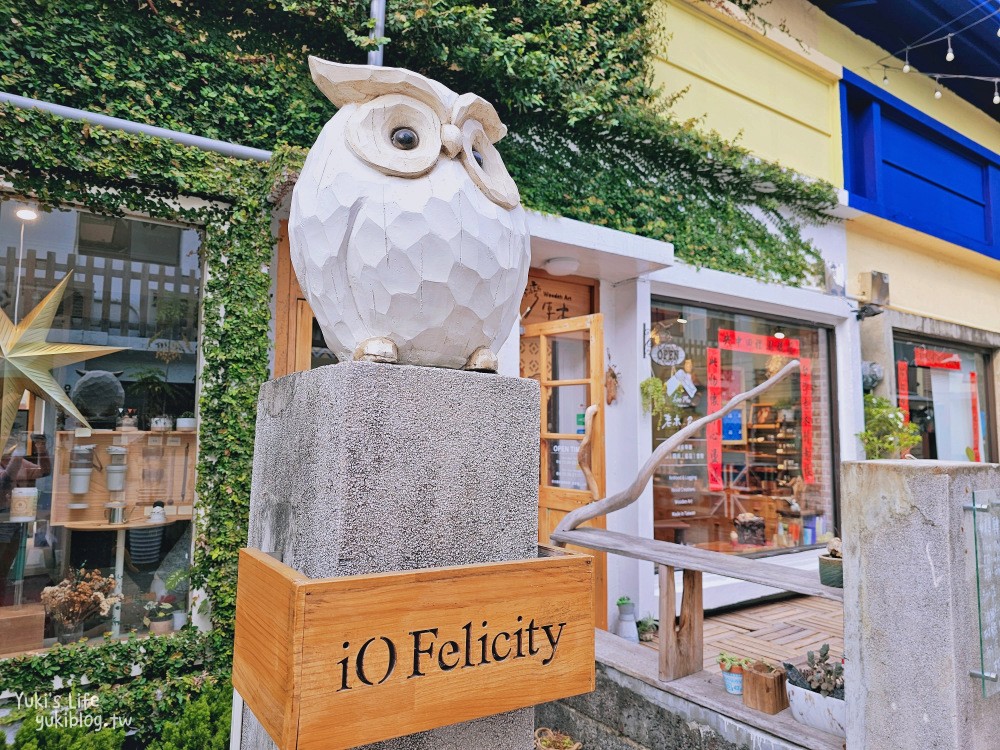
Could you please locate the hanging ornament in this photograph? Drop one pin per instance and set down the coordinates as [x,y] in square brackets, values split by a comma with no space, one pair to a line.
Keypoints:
[27,358]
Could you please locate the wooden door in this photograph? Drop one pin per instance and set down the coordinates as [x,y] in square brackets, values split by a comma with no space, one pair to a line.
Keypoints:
[567,359]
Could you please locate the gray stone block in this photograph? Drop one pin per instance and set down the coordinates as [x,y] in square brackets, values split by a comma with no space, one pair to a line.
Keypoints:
[910,608]
[365,468]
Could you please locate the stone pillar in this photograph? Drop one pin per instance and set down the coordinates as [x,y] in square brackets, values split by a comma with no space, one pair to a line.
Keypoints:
[910,606]
[368,468]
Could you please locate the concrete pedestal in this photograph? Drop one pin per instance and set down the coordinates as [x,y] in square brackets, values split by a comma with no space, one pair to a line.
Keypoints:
[366,468]
[910,606]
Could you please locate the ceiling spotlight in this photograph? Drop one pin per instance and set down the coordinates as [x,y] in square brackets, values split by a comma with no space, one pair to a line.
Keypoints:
[26,213]
[779,334]
[561,266]
[682,320]
[951,53]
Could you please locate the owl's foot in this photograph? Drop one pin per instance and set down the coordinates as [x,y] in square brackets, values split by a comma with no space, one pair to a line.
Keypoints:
[377,349]
[482,360]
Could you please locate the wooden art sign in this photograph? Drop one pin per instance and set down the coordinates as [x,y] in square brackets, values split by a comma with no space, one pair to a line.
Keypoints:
[336,663]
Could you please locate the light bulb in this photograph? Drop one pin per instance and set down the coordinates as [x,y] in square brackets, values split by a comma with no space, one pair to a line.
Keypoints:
[885,78]
[996,98]
[996,92]
[951,53]
[779,335]
[26,213]
[937,88]
[937,94]
[906,67]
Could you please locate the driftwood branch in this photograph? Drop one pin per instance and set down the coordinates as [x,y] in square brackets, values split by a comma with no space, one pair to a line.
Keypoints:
[631,493]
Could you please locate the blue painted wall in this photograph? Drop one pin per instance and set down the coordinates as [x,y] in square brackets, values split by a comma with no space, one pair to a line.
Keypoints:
[910,169]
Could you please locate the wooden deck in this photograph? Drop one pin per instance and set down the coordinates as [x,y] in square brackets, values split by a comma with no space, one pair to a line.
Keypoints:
[775,632]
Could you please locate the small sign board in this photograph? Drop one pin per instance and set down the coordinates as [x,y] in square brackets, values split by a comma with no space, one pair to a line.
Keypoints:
[336,663]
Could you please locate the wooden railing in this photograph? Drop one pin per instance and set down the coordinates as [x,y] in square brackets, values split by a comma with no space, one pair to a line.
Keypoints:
[116,296]
[680,635]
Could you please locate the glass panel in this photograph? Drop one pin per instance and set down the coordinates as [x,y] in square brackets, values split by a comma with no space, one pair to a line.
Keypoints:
[564,472]
[569,355]
[942,389]
[566,408]
[769,461]
[986,525]
[135,286]
[321,354]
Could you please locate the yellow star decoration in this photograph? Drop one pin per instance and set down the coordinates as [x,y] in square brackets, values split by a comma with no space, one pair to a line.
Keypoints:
[26,359]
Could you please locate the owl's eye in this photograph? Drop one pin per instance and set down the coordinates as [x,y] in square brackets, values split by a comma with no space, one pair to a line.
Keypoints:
[405,139]
[478,157]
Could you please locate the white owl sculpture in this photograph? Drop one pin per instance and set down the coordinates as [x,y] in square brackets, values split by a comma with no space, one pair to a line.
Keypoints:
[406,231]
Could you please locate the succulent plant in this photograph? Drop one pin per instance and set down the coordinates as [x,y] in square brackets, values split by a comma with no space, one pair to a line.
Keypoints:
[819,675]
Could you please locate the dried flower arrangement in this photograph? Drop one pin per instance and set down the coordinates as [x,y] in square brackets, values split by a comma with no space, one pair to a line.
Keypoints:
[82,594]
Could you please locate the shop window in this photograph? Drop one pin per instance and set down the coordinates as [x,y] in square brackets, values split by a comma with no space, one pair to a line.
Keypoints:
[760,480]
[942,389]
[117,496]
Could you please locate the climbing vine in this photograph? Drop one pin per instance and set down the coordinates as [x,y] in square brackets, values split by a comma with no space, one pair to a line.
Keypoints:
[590,135]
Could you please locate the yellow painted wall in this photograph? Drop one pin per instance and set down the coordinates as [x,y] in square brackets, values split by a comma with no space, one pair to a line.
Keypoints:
[927,276]
[783,107]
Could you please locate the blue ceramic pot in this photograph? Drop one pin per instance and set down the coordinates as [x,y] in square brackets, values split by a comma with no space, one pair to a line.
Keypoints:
[733,682]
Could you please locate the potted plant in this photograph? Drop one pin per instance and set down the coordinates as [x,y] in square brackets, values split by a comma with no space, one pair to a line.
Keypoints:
[186,422]
[816,693]
[732,672]
[764,688]
[626,620]
[157,392]
[159,614]
[831,565]
[81,595]
[648,627]
[546,739]
[887,434]
[177,584]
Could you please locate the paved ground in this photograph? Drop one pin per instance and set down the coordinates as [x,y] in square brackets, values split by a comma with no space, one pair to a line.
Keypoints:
[778,631]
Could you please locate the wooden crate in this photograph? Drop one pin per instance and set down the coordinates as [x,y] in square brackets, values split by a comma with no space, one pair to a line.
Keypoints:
[161,466]
[336,663]
[21,628]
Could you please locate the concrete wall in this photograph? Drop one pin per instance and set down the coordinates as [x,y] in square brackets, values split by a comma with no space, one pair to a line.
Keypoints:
[912,625]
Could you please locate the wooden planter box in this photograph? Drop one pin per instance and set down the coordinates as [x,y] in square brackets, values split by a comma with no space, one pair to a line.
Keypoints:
[763,690]
[340,662]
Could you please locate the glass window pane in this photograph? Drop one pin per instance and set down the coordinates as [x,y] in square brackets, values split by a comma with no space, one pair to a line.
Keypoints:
[568,355]
[564,471]
[942,389]
[135,287]
[565,408]
[769,461]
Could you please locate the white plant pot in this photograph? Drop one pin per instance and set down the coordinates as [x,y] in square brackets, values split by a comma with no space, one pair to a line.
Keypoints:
[818,711]
[180,619]
[161,424]
[187,424]
[116,477]
[79,483]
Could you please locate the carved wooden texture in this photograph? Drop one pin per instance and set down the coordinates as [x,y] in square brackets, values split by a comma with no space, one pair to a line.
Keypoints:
[681,643]
[291,634]
[764,691]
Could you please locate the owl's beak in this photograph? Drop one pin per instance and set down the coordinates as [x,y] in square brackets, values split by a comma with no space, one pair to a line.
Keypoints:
[451,140]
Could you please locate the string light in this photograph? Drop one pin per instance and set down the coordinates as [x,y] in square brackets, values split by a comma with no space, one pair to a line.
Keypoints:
[937,87]
[951,53]
[906,65]
[996,91]
[885,76]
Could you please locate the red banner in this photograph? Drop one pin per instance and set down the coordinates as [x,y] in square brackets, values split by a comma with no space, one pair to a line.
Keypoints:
[936,359]
[903,387]
[713,433]
[755,343]
[806,395]
[975,416]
